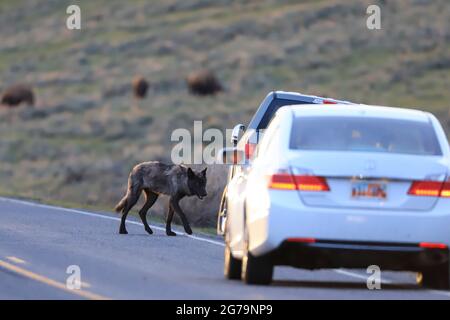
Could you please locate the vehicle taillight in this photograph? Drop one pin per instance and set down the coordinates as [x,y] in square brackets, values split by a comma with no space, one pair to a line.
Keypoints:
[311,183]
[282,181]
[445,191]
[286,181]
[430,245]
[425,188]
[430,189]
[329,102]
[301,240]
[249,150]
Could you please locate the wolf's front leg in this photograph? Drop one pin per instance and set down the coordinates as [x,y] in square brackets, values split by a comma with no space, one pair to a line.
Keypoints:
[177,208]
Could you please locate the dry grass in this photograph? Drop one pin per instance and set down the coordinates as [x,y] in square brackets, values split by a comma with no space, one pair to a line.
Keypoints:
[87,131]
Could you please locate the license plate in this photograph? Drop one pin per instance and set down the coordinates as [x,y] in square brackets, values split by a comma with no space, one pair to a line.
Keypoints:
[369,189]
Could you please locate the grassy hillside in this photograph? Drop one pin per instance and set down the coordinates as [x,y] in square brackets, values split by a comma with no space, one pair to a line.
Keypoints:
[86,132]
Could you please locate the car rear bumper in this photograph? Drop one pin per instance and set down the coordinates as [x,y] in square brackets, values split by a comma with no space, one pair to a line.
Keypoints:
[338,254]
[286,217]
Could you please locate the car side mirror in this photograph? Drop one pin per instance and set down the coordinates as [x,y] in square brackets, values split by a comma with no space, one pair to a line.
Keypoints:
[235,134]
[231,156]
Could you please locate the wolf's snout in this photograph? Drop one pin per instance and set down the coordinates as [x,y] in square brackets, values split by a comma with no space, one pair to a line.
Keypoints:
[201,196]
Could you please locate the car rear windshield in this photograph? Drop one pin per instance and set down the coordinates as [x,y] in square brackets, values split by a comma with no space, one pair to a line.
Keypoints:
[364,134]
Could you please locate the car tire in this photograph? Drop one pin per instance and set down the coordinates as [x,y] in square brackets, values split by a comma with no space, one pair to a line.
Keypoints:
[232,267]
[436,277]
[256,270]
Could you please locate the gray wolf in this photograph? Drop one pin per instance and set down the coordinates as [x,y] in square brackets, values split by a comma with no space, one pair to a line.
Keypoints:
[155,178]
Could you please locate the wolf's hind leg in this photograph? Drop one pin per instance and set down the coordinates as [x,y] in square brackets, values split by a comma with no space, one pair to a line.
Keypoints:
[133,197]
[169,231]
[150,199]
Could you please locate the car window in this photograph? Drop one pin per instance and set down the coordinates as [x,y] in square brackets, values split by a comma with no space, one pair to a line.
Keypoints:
[364,134]
[272,109]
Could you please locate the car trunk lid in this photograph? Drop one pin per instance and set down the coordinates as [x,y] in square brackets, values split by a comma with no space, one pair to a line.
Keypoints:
[368,180]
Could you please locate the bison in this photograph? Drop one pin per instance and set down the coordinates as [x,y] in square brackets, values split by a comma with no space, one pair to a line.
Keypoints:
[203,83]
[140,87]
[17,94]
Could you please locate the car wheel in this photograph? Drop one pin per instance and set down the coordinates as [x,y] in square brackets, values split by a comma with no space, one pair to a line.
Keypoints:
[435,277]
[232,266]
[256,270]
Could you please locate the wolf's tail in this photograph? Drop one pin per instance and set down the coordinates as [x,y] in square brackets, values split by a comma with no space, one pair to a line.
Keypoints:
[129,195]
[122,203]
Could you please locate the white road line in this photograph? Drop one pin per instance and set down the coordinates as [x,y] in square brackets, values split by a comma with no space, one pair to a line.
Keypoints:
[219,243]
[15,260]
[358,276]
[443,293]
[384,281]
[104,216]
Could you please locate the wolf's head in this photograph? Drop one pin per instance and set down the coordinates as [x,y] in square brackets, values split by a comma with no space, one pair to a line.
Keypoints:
[197,183]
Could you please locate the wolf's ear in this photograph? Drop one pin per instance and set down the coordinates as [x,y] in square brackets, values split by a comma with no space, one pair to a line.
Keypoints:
[190,173]
[204,172]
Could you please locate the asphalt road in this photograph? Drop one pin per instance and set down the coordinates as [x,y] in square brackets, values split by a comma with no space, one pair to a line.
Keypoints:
[38,243]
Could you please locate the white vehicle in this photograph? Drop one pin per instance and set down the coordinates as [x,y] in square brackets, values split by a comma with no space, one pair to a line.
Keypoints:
[346,186]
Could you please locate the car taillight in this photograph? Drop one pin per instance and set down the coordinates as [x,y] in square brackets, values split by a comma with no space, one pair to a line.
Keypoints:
[311,183]
[329,102]
[430,189]
[249,150]
[301,240]
[430,245]
[425,188]
[445,191]
[281,181]
[286,181]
